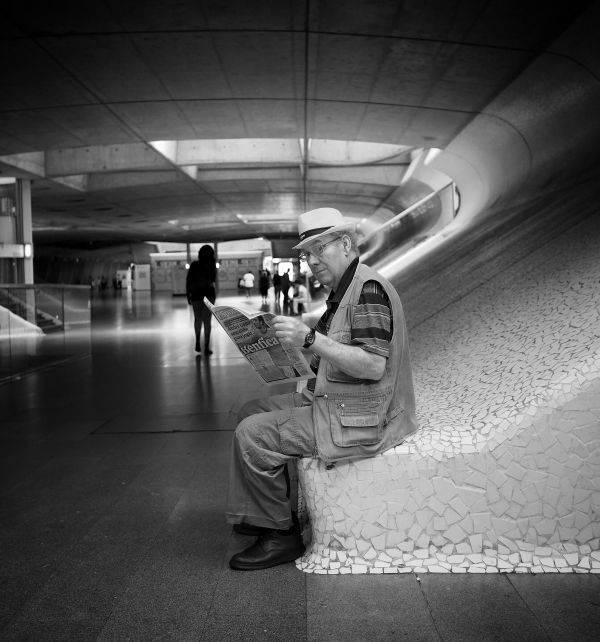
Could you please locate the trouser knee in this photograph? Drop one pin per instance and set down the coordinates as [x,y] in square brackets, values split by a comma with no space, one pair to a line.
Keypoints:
[248,409]
[249,437]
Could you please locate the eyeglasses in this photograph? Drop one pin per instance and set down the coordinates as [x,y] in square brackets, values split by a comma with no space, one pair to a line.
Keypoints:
[316,250]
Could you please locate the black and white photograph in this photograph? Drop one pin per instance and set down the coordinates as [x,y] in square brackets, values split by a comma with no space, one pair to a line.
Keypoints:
[407,194]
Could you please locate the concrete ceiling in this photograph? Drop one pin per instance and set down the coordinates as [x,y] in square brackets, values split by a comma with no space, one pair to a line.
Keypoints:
[195,120]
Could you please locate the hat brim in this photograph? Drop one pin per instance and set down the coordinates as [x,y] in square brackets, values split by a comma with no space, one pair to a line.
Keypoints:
[336,229]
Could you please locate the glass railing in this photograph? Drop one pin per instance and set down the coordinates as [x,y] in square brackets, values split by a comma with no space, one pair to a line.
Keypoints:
[41,325]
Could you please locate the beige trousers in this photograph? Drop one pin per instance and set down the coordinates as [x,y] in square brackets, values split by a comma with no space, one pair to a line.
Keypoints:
[271,432]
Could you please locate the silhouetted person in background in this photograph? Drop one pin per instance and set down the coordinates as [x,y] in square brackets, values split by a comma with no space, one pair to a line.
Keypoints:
[264,283]
[285,288]
[277,288]
[200,283]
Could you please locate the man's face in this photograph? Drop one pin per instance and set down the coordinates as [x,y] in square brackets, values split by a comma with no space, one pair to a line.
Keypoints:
[328,260]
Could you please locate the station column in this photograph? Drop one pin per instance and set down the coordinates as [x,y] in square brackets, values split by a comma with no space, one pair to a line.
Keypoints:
[24,230]
[16,244]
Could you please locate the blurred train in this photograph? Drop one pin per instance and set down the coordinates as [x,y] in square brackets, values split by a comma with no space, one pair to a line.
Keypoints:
[422,213]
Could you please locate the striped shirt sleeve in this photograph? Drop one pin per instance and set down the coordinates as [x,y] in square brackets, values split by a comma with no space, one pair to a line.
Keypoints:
[372,321]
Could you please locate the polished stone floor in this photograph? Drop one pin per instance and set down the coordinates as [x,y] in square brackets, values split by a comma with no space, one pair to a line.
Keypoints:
[113,481]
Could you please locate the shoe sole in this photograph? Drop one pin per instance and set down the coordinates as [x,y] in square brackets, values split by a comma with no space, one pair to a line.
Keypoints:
[259,567]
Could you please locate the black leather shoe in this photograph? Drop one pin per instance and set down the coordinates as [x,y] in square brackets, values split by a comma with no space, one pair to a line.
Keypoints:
[249,529]
[270,549]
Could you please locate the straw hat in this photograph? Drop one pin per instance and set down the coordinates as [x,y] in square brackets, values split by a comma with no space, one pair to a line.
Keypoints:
[321,222]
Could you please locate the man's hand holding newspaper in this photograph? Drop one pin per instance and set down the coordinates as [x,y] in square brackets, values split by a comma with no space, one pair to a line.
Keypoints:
[274,355]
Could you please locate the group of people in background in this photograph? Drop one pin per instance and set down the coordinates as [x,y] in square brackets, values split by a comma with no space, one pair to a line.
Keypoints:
[294,293]
[201,281]
[101,284]
[246,284]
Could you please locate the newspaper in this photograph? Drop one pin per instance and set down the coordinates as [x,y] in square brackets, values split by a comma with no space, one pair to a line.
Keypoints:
[253,333]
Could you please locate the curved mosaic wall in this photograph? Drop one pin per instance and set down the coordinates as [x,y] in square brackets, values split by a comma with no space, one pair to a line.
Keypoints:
[504,473]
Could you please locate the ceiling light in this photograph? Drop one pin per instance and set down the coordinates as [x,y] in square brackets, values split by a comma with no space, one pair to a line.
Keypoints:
[431,154]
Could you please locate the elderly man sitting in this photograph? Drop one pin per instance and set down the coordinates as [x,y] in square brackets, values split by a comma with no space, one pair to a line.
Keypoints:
[360,402]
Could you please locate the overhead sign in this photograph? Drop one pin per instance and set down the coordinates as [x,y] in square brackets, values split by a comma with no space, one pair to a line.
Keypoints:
[283,248]
[14,250]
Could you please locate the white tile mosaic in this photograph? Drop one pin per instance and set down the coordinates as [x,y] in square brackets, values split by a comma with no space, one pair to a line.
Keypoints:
[503,474]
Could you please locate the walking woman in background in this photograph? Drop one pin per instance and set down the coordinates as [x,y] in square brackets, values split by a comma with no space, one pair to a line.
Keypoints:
[200,283]
[264,283]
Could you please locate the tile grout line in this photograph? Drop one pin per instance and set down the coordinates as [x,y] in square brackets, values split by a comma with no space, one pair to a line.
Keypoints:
[529,609]
[433,620]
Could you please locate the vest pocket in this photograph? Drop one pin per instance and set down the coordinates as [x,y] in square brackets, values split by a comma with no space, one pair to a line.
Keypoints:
[338,376]
[356,421]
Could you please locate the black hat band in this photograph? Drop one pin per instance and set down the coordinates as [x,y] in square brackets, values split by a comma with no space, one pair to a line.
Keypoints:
[318,230]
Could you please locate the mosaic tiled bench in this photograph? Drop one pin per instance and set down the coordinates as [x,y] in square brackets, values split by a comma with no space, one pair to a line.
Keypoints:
[504,473]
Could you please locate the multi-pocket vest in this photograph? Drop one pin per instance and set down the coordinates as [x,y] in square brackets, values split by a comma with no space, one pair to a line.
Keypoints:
[355,417]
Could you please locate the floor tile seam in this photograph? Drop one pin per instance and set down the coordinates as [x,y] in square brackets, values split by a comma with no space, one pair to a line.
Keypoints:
[127,439]
[110,507]
[306,621]
[131,577]
[159,432]
[98,430]
[527,607]
[18,376]
[211,602]
[59,563]
[134,574]
[30,596]
[17,487]
[127,413]
[163,531]
[103,423]
[32,477]
[428,605]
